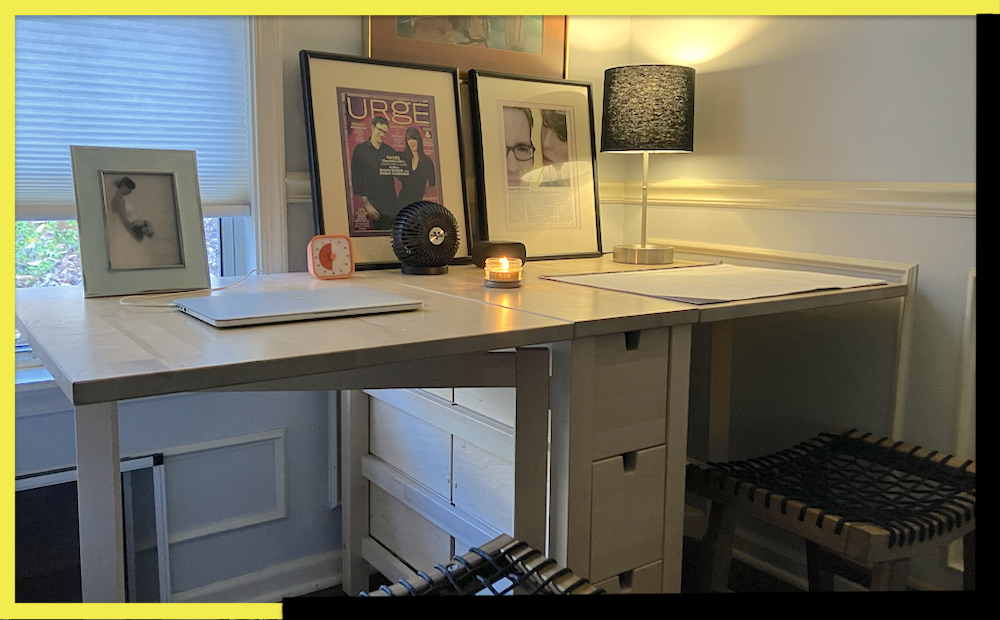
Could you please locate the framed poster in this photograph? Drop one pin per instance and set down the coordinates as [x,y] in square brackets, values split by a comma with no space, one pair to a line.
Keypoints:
[382,136]
[536,159]
[140,221]
[533,45]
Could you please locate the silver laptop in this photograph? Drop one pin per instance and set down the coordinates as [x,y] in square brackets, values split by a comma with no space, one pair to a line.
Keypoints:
[234,310]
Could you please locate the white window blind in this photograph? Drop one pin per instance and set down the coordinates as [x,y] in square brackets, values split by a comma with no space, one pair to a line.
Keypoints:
[157,82]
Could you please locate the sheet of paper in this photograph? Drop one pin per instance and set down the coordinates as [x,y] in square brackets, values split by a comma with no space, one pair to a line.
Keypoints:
[714,283]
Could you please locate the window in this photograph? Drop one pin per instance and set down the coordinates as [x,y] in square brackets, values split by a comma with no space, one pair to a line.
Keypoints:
[164,82]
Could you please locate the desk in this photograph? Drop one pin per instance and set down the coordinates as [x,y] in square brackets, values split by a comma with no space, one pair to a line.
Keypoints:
[100,352]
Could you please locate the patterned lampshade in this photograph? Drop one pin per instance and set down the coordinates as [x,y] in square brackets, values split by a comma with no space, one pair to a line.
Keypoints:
[648,108]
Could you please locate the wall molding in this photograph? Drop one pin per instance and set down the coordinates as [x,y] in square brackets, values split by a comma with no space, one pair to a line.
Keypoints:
[280,510]
[874,198]
[916,199]
[270,585]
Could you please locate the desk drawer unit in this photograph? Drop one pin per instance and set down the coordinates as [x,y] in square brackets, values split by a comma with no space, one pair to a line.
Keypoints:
[438,472]
[456,455]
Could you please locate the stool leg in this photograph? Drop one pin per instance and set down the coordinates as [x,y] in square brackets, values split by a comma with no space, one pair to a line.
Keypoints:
[969,568]
[890,575]
[718,548]
[820,577]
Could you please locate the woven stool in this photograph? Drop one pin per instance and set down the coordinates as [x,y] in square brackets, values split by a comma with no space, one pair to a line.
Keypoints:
[864,506]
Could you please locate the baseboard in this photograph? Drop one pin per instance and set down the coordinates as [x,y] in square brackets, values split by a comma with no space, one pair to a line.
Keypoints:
[295,578]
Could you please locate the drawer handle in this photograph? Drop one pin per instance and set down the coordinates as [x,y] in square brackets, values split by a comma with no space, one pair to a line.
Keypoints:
[632,340]
[630,460]
[625,581]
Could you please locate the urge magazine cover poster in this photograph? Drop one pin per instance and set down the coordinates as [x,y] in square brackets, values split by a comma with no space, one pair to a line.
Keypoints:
[391,154]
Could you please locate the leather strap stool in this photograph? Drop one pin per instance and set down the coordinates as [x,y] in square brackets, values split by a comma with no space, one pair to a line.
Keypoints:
[864,506]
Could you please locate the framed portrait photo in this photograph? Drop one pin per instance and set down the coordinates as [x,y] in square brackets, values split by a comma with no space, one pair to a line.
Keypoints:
[532,45]
[536,160]
[140,220]
[382,136]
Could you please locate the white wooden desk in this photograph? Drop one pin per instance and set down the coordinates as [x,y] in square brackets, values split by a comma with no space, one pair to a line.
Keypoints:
[619,375]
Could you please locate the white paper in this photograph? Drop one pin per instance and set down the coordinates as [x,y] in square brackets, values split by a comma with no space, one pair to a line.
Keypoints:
[715,283]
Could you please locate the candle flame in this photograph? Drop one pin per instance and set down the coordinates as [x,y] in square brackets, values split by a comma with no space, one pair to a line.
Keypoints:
[504,263]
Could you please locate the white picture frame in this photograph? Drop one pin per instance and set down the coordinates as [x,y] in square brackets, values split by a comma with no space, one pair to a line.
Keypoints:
[140,221]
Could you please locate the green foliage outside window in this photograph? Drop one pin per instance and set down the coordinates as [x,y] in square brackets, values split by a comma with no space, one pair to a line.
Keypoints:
[46,253]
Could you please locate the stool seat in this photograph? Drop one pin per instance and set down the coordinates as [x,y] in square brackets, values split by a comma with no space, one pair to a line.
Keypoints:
[868,500]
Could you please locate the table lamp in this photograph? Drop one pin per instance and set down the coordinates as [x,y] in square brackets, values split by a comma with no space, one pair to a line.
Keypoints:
[647,109]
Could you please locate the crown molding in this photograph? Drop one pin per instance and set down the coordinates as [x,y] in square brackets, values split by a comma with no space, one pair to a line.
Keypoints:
[918,199]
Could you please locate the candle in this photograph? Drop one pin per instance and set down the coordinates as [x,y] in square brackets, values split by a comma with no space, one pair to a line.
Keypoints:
[502,272]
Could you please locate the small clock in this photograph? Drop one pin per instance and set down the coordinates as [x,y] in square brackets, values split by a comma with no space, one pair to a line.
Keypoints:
[330,256]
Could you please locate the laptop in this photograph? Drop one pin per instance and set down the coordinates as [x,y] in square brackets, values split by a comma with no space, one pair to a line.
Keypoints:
[235,310]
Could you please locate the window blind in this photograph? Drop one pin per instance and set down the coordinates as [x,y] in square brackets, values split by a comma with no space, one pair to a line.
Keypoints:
[156,82]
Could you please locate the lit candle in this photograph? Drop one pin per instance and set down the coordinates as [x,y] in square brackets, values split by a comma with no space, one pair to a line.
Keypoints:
[503,272]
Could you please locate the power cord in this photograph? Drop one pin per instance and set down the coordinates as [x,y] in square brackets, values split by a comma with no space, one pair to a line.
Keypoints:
[136,300]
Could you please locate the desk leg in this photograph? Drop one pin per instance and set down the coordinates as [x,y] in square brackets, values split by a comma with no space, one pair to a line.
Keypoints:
[354,488]
[531,429]
[678,386]
[571,399]
[720,391]
[102,547]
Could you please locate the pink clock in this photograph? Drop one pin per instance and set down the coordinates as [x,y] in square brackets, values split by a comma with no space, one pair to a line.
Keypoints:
[330,256]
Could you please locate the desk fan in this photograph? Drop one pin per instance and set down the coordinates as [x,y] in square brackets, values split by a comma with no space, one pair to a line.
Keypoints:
[425,238]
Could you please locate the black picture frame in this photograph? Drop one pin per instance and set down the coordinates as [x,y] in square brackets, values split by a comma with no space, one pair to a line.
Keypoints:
[342,96]
[548,202]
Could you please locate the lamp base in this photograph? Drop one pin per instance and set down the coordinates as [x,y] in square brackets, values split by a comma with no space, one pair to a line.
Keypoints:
[636,254]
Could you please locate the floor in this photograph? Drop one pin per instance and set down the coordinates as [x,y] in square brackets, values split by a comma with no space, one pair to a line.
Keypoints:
[742,578]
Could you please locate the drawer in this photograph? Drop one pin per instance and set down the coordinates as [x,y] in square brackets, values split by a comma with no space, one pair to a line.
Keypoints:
[630,392]
[411,445]
[407,534]
[499,404]
[484,485]
[646,579]
[627,513]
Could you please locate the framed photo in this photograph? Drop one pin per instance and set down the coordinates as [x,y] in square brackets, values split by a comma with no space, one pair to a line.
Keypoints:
[533,45]
[140,221]
[382,136]
[536,159]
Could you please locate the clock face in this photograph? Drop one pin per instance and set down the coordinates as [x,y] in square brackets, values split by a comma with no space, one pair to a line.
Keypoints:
[330,256]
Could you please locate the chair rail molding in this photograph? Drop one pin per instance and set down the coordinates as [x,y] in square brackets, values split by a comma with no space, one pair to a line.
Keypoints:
[886,198]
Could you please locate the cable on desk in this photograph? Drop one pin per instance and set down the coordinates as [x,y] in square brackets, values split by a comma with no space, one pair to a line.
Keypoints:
[127,301]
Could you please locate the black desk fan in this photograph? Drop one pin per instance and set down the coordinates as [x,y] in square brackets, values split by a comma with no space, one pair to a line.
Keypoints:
[425,238]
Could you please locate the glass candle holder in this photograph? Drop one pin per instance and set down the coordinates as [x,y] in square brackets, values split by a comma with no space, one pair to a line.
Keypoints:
[502,272]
